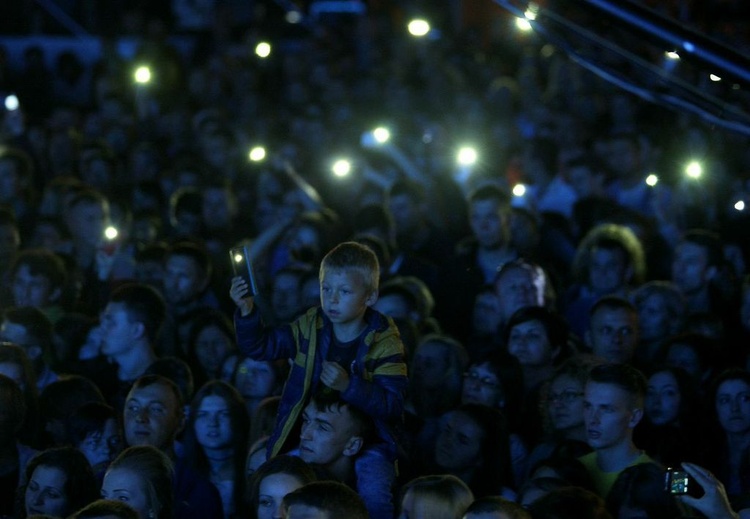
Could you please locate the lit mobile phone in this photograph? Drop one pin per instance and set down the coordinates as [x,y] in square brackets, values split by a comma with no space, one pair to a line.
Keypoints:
[678,482]
[242,265]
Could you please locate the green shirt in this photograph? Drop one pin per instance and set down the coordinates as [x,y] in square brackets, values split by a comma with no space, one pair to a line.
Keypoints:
[603,481]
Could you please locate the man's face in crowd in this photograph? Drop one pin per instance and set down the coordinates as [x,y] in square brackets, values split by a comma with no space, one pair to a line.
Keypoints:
[184,280]
[117,330]
[87,221]
[32,290]
[609,414]
[404,212]
[515,289]
[152,416]
[608,270]
[488,223]
[690,269]
[327,436]
[613,334]
[654,318]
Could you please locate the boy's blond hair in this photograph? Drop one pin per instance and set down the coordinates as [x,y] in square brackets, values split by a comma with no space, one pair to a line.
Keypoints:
[356,257]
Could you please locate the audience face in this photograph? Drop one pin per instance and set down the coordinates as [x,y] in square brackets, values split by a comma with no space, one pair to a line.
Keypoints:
[18,334]
[127,486]
[459,443]
[213,424]
[32,290]
[565,403]
[515,290]
[343,295]
[430,364]
[393,305]
[101,447]
[654,318]
[211,346]
[87,221]
[690,269]
[116,329]
[14,372]
[45,493]
[482,386]
[271,491]
[488,223]
[255,379]
[184,280]
[152,416]
[614,334]
[663,398]
[733,406]
[327,436]
[609,415]
[685,357]
[528,343]
[608,270]
[487,315]
[285,296]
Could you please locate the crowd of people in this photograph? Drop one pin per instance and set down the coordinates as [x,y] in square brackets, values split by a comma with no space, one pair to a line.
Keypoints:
[554,329]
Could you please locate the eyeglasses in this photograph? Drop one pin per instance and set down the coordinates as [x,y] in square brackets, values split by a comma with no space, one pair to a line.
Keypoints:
[473,376]
[565,397]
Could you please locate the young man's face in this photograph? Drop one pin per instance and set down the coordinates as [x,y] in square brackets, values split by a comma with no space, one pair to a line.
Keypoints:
[343,296]
[117,330]
[184,280]
[87,221]
[488,223]
[608,270]
[32,290]
[690,269]
[613,334]
[327,436]
[152,416]
[609,415]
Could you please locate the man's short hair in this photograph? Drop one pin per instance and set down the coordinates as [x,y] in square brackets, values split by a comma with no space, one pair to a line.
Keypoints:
[490,192]
[38,329]
[106,508]
[351,255]
[490,504]
[14,402]
[143,304]
[195,252]
[624,376]
[613,303]
[710,242]
[149,380]
[412,190]
[329,400]
[332,497]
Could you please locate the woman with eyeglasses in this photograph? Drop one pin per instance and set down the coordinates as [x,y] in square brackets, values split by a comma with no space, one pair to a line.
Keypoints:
[562,407]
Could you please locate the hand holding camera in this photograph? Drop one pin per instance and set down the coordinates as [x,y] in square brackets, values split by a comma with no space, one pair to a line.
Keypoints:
[714,503]
[244,286]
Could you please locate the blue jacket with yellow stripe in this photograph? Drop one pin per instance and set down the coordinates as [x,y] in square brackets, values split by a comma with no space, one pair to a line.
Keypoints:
[377,377]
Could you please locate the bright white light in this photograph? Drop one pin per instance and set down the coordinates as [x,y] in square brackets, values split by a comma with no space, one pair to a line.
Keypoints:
[263,49]
[418,27]
[519,190]
[740,205]
[522,24]
[467,156]
[672,54]
[341,168]
[293,17]
[381,134]
[110,232]
[714,78]
[142,75]
[694,169]
[12,103]
[652,180]
[257,153]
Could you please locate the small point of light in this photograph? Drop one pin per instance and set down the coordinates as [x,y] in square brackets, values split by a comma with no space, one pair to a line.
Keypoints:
[694,169]
[714,77]
[418,27]
[293,17]
[652,180]
[263,49]
[522,24]
[688,46]
[740,205]
[257,153]
[381,134]
[672,54]
[238,258]
[519,190]
[341,168]
[110,233]
[467,156]
[12,103]
[142,75]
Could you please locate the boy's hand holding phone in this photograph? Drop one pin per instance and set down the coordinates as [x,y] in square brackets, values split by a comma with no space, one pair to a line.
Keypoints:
[241,295]
[244,287]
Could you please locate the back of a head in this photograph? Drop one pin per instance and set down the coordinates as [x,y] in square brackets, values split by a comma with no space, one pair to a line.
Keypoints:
[105,509]
[61,398]
[157,472]
[442,496]
[569,503]
[334,499]
[641,488]
[501,508]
